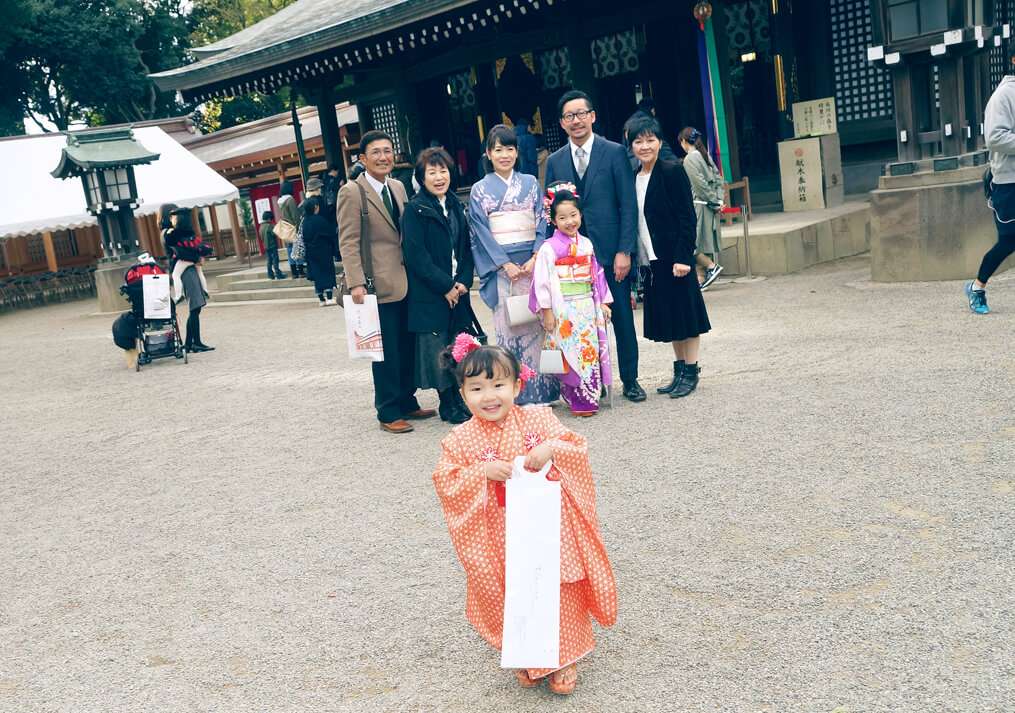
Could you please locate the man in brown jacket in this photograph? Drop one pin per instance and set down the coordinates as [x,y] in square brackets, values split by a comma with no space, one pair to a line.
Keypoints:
[394,387]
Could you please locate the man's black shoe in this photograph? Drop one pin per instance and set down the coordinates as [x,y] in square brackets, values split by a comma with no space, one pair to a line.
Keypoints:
[201,348]
[634,392]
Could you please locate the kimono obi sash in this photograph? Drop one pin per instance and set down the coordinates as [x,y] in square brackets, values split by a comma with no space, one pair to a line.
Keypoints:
[511,228]
[574,272]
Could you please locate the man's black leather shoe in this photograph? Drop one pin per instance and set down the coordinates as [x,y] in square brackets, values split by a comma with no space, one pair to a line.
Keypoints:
[634,392]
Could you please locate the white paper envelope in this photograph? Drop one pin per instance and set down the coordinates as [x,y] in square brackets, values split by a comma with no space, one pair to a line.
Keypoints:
[155,289]
[531,570]
[363,329]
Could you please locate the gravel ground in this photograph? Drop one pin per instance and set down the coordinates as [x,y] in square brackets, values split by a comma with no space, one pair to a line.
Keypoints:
[824,526]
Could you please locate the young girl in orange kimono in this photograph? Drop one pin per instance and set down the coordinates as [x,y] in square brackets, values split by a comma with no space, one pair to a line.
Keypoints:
[469,479]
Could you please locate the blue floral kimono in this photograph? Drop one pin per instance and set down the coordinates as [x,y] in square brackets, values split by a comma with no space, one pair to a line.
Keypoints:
[508,225]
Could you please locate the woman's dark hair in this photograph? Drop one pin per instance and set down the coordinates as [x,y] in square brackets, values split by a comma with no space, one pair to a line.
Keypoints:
[563,196]
[501,134]
[433,156]
[286,189]
[184,223]
[372,136]
[267,215]
[312,205]
[487,361]
[642,125]
[694,137]
[164,212]
[570,97]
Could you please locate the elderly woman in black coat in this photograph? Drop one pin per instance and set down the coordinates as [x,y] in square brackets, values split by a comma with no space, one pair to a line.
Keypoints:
[674,308]
[438,261]
[319,240]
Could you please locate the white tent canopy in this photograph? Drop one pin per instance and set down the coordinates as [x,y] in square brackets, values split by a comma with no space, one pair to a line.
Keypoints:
[32,201]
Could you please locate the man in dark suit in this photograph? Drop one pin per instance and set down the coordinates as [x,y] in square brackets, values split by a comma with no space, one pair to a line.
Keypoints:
[605,182]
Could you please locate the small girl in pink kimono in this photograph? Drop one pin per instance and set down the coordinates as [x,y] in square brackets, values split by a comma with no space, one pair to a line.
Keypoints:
[570,294]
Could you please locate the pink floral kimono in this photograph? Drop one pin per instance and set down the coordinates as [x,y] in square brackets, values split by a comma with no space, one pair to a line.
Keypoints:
[569,280]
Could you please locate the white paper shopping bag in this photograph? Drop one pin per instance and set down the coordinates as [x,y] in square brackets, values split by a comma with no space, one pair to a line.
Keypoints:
[531,570]
[363,329]
[155,289]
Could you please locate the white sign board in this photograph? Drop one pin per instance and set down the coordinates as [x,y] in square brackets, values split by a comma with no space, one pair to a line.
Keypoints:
[261,205]
[814,118]
[155,289]
[531,570]
[800,165]
[363,329]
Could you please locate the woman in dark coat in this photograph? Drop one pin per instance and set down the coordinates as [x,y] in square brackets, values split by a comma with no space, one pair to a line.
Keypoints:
[438,261]
[319,240]
[183,245]
[667,230]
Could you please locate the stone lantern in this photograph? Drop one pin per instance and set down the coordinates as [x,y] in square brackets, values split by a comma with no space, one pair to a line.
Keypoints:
[104,160]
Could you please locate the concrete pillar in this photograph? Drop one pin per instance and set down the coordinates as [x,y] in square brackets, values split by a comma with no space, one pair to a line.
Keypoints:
[47,243]
[108,279]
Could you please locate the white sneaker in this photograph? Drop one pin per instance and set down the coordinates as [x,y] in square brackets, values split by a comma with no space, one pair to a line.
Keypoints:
[323,303]
[710,277]
[331,301]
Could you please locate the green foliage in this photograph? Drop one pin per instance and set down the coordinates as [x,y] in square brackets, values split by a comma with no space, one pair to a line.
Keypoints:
[88,60]
[71,61]
[214,20]
[217,114]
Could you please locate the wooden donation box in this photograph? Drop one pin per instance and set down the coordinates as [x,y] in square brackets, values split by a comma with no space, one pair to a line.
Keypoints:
[811,163]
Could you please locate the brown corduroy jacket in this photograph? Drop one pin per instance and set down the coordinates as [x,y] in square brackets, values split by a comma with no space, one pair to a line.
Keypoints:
[384,238]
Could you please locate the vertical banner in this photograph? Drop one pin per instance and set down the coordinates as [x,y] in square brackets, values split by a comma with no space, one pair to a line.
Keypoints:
[711,92]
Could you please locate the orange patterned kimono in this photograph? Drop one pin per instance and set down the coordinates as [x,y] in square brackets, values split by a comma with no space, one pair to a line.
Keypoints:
[474,510]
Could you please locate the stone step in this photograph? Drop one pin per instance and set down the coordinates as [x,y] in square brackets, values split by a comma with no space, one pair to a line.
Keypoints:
[265,284]
[259,273]
[276,293]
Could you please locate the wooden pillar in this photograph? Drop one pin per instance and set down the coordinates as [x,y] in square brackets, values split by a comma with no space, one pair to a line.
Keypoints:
[902,83]
[216,236]
[47,243]
[8,268]
[329,126]
[239,240]
[153,227]
[953,105]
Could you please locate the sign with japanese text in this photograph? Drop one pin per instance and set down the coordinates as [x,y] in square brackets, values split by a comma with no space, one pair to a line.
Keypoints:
[814,118]
[802,179]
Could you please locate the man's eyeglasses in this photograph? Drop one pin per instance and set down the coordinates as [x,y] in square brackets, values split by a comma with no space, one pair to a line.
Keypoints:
[378,153]
[580,115]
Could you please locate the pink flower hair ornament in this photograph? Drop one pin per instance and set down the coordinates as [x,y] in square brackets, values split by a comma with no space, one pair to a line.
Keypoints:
[464,345]
[551,194]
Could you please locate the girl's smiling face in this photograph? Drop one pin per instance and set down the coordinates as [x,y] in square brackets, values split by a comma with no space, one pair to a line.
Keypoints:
[491,398]
[568,218]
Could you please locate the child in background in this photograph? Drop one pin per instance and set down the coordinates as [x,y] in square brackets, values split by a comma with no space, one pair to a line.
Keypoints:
[570,294]
[477,459]
[270,245]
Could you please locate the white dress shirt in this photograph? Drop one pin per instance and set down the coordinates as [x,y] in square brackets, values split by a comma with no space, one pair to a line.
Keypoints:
[378,185]
[645,252]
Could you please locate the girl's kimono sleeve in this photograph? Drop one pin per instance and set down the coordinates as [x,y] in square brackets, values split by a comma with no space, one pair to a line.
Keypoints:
[541,294]
[462,489]
[571,462]
[600,289]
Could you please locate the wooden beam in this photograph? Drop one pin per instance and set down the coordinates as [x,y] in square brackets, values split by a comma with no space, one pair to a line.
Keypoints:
[8,268]
[47,243]
[239,241]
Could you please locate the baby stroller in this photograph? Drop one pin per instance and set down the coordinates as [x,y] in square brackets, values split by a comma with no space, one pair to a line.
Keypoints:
[156,332]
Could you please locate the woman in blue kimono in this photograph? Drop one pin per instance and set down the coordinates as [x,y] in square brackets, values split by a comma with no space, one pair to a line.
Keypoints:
[508,226]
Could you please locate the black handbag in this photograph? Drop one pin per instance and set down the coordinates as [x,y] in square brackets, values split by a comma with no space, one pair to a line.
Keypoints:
[464,319]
